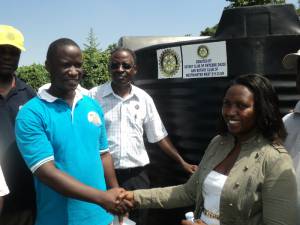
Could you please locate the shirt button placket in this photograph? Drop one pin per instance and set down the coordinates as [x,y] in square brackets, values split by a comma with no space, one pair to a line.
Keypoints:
[122,125]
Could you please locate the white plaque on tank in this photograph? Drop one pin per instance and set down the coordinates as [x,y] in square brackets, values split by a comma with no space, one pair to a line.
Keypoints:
[204,60]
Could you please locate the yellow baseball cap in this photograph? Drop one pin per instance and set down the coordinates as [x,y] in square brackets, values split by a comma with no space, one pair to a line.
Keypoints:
[11,36]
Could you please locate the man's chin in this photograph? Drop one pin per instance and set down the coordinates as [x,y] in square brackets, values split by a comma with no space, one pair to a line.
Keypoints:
[71,89]
[72,86]
[121,84]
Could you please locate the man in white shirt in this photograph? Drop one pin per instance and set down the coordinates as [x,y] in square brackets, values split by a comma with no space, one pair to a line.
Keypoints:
[3,189]
[292,122]
[129,111]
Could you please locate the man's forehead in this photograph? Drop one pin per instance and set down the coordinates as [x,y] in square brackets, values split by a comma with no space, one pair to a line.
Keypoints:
[66,50]
[8,47]
[121,55]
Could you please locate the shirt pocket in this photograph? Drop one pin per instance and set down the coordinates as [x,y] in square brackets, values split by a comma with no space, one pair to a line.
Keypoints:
[135,114]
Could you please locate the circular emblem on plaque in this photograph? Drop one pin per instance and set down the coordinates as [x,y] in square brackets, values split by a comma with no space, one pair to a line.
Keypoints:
[169,63]
[203,51]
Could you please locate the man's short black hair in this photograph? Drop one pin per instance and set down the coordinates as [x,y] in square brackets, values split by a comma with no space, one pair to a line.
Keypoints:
[59,43]
[119,49]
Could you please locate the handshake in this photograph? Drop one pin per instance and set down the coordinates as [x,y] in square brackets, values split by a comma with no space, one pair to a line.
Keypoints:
[117,201]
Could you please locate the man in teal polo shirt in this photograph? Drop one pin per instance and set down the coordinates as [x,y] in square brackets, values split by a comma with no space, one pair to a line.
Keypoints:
[61,134]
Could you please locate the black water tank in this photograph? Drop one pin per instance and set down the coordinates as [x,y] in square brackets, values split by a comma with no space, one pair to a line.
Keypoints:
[256,39]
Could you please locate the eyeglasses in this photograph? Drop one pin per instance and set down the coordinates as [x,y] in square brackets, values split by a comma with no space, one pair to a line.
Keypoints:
[125,66]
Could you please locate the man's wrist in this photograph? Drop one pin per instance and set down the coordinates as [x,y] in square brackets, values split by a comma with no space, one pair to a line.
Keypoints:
[100,197]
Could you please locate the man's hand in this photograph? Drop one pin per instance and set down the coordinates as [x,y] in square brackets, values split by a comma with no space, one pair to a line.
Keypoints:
[118,201]
[166,145]
[127,202]
[112,202]
[189,167]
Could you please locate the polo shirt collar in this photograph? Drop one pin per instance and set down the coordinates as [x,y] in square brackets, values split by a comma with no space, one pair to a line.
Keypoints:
[45,95]
[297,107]
[107,90]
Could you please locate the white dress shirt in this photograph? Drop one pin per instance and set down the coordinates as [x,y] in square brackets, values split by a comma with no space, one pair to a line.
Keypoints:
[292,142]
[3,187]
[126,119]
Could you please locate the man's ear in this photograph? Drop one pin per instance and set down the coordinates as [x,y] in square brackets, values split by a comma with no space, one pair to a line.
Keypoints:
[134,68]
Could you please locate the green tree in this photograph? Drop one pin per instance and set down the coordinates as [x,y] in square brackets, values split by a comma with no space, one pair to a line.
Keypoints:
[95,63]
[34,75]
[209,31]
[240,3]
[111,47]
[298,9]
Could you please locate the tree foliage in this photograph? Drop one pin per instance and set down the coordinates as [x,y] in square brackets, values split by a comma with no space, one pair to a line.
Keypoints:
[241,3]
[298,8]
[95,62]
[34,75]
[209,31]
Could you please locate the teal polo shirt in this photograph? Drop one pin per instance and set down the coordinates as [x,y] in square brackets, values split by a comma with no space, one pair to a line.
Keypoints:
[47,128]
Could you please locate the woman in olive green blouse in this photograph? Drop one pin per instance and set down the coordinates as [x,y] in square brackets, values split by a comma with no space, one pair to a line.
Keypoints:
[245,176]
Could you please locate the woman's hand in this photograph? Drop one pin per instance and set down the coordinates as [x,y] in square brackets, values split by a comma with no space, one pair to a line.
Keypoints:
[196,222]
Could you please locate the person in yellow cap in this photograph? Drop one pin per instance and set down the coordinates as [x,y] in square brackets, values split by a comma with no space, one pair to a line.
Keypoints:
[19,204]
[292,121]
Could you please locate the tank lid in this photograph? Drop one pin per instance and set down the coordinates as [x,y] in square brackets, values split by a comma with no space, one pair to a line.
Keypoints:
[254,21]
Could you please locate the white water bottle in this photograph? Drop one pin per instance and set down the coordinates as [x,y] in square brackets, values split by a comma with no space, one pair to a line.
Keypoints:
[189,216]
[126,221]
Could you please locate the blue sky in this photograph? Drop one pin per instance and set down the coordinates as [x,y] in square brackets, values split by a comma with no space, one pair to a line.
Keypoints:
[45,21]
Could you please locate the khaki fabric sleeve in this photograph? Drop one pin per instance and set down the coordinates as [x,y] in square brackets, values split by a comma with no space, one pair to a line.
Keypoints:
[168,197]
[279,191]
[175,196]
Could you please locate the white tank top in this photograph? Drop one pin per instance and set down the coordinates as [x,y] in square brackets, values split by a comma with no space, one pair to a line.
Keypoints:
[211,192]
